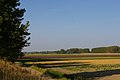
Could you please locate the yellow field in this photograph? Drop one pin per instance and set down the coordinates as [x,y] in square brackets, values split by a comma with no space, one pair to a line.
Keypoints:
[105,61]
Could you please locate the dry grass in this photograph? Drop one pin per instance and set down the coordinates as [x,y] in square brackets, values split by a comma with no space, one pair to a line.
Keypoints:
[9,71]
[106,61]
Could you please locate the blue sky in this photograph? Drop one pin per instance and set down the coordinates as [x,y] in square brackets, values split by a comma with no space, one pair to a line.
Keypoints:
[57,24]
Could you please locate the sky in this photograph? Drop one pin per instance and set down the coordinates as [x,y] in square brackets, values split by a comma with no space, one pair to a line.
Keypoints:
[64,24]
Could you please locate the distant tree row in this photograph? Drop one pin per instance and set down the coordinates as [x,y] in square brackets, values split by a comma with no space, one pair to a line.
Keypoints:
[110,49]
[74,50]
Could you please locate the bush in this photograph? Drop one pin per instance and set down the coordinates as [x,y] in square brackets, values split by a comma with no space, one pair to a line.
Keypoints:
[54,74]
[38,69]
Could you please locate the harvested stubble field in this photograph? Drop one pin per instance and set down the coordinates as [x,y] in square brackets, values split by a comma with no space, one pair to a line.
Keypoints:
[77,64]
[88,58]
[82,55]
[106,61]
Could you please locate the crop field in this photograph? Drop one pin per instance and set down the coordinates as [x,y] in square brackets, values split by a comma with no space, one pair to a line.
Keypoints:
[112,55]
[73,65]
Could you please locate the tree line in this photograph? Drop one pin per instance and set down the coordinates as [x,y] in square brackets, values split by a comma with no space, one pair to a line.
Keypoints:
[109,49]
[74,50]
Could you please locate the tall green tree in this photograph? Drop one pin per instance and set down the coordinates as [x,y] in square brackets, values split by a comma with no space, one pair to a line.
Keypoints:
[13,34]
[62,51]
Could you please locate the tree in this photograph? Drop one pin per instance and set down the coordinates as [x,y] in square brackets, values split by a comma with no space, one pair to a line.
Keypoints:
[86,50]
[99,50]
[113,49]
[62,51]
[13,34]
[72,50]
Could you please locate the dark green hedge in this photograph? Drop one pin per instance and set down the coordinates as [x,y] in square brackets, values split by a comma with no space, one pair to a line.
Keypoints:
[110,49]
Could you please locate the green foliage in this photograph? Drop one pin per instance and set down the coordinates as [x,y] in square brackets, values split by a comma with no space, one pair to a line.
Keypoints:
[99,50]
[86,50]
[78,50]
[38,69]
[113,49]
[13,34]
[62,51]
[110,49]
[74,50]
[54,74]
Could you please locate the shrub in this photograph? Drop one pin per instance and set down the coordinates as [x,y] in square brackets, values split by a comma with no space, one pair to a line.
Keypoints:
[54,74]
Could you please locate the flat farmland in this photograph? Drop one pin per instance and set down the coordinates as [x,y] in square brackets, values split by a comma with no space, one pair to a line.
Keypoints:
[106,61]
[72,64]
[82,55]
[86,58]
